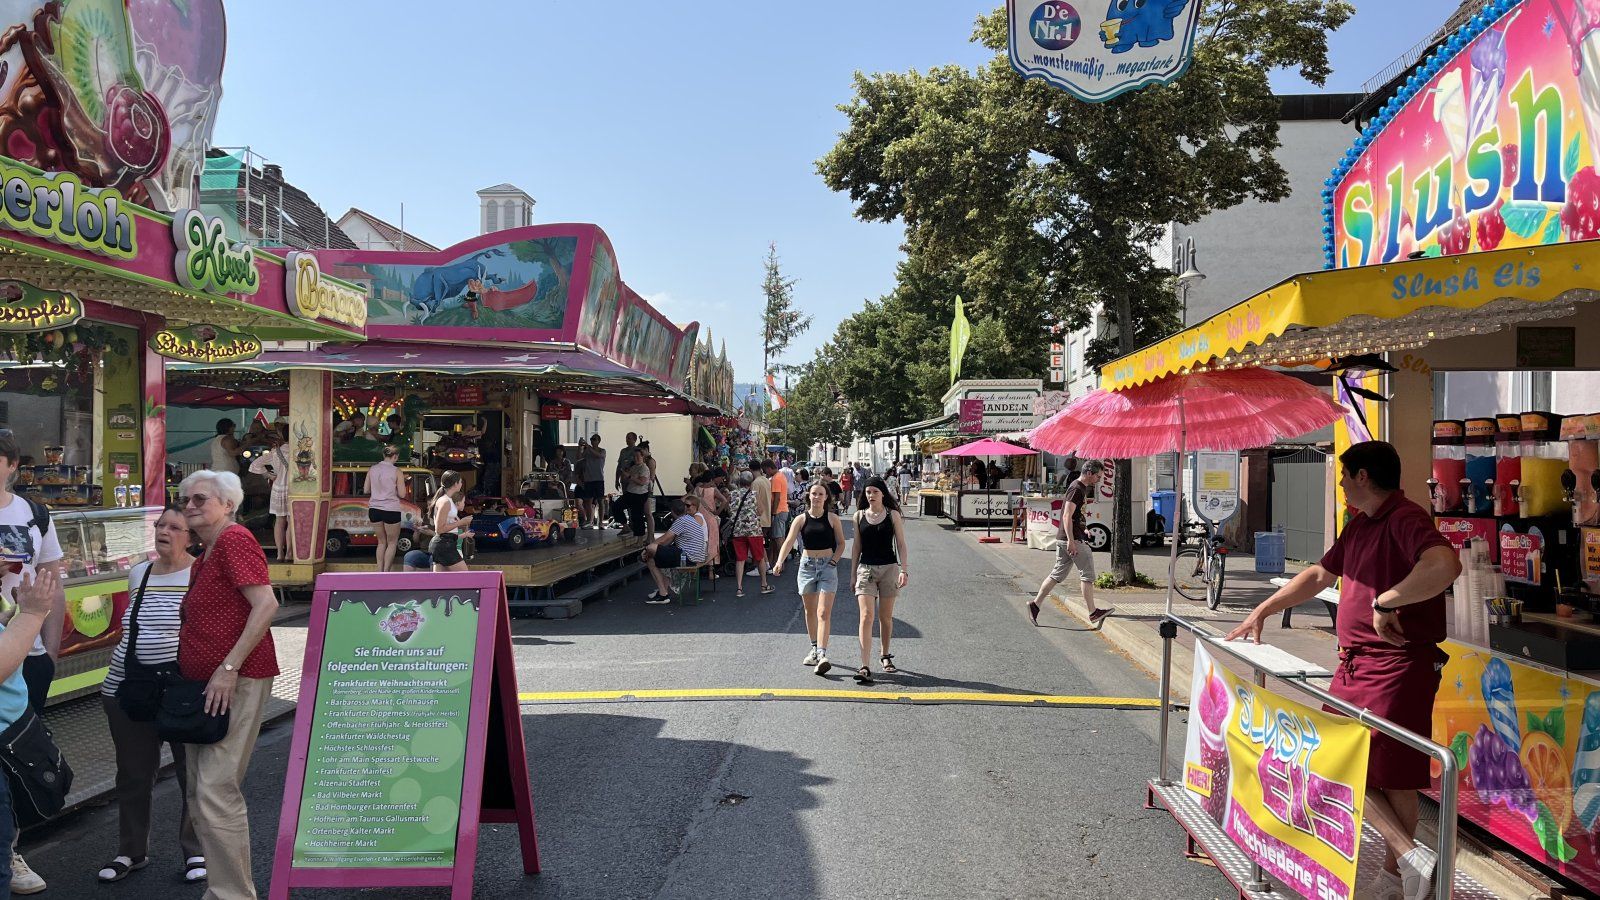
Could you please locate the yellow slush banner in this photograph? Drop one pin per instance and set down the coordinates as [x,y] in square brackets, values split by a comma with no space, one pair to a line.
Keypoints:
[1386,292]
[1284,781]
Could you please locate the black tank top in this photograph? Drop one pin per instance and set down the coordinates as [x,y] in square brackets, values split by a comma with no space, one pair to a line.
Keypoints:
[817,534]
[877,541]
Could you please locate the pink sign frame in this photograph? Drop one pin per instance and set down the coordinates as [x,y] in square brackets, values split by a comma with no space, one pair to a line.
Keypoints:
[495,683]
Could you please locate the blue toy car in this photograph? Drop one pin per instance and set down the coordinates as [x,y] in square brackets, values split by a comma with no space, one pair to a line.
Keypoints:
[500,524]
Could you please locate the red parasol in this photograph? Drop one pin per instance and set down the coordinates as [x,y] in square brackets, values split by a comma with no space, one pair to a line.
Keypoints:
[1228,409]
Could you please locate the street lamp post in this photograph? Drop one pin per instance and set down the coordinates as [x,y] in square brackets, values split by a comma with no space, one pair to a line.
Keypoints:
[1186,280]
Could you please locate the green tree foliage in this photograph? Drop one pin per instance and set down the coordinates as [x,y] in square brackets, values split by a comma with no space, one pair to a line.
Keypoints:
[817,411]
[1038,208]
[781,321]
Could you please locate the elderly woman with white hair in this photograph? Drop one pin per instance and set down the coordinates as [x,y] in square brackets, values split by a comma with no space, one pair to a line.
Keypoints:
[225,641]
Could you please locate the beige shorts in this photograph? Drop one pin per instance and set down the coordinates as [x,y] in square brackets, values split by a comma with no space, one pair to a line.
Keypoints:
[878,581]
[1084,561]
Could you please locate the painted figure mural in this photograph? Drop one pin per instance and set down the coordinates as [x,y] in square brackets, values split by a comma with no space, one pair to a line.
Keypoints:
[121,93]
[519,284]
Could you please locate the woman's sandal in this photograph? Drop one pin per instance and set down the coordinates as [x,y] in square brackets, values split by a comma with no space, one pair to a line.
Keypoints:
[863,675]
[120,867]
[738,593]
[767,589]
[888,664]
[194,869]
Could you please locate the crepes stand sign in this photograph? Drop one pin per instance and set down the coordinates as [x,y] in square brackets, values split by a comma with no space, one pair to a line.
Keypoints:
[1098,49]
[1285,781]
[409,735]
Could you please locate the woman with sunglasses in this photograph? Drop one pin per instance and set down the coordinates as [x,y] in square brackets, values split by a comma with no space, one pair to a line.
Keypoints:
[445,548]
[157,588]
[820,534]
[225,640]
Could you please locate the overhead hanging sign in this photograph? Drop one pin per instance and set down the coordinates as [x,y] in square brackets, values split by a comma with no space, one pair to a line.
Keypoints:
[1098,49]
[205,344]
[24,307]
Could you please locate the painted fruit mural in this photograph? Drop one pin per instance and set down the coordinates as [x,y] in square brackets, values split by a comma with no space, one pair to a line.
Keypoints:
[121,93]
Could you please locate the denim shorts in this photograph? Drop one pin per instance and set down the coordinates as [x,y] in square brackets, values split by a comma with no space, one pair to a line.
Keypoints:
[780,525]
[818,576]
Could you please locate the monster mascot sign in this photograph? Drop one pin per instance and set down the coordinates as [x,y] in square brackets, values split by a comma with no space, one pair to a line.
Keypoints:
[1135,43]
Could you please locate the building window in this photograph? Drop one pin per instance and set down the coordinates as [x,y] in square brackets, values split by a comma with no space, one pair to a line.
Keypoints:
[493,223]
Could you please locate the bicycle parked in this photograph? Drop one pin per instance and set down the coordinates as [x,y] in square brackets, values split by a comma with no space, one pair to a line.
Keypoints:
[1201,570]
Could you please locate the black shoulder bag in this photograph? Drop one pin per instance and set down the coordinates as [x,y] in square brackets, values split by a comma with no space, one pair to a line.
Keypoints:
[182,716]
[38,774]
[142,685]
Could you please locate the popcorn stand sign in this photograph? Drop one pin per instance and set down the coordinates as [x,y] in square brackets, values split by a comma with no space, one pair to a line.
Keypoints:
[1285,781]
[1098,49]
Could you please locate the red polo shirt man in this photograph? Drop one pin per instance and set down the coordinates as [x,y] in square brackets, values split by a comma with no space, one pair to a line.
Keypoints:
[1395,567]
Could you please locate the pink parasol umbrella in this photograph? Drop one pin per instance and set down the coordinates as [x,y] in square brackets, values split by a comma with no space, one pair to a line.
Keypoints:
[989,447]
[1229,409]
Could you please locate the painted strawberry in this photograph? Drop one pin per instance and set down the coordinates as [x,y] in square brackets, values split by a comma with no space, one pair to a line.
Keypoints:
[1580,217]
[1491,227]
[1508,164]
[1456,236]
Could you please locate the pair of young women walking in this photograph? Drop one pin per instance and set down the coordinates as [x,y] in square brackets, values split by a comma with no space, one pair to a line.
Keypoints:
[881,565]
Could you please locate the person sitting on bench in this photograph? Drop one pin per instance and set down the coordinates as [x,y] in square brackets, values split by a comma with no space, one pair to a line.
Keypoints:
[684,544]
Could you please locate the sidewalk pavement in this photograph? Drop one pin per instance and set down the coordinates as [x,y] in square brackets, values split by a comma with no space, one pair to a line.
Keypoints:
[81,732]
[1134,631]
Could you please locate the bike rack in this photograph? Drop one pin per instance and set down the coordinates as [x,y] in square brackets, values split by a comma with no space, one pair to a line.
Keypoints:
[1246,875]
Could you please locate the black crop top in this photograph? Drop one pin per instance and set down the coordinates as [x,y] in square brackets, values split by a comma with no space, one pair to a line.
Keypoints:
[877,541]
[817,534]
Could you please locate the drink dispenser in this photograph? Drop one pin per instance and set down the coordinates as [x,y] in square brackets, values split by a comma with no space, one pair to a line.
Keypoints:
[1449,465]
[1508,463]
[1477,490]
[1543,460]
[1581,481]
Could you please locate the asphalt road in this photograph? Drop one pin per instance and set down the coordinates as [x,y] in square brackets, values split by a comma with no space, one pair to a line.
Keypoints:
[789,798]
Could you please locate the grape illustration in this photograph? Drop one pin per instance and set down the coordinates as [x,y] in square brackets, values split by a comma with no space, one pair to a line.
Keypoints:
[1498,776]
[1491,227]
[1581,215]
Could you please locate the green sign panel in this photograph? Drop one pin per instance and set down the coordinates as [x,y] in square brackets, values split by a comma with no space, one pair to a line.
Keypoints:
[388,743]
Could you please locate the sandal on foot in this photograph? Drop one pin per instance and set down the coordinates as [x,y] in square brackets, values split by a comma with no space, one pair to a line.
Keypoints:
[767,589]
[738,593]
[118,868]
[863,675]
[1033,612]
[887,660]
[194,869]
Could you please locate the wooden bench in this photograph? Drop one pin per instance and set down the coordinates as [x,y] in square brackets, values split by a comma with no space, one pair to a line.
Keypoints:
[1328,596]
[685,580]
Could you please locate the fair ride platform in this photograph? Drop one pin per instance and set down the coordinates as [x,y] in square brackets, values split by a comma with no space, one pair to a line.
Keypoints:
[531,575]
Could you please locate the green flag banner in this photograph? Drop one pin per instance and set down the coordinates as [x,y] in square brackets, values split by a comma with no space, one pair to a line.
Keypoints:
[960,333]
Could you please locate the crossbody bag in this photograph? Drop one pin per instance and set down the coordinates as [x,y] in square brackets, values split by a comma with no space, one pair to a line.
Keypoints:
[142,685]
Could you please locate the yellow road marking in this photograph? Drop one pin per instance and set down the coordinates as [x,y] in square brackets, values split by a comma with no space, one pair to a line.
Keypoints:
[801,694]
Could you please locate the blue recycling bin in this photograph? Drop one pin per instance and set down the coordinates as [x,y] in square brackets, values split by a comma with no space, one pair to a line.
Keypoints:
[1165,503]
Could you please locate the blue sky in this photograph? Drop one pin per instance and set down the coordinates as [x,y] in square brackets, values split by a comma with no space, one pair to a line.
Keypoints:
[687,131]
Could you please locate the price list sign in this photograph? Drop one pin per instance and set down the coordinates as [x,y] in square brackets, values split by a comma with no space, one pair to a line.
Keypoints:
[408,696]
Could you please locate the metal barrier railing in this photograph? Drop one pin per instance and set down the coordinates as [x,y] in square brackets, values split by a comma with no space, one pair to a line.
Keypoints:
[1444,871]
